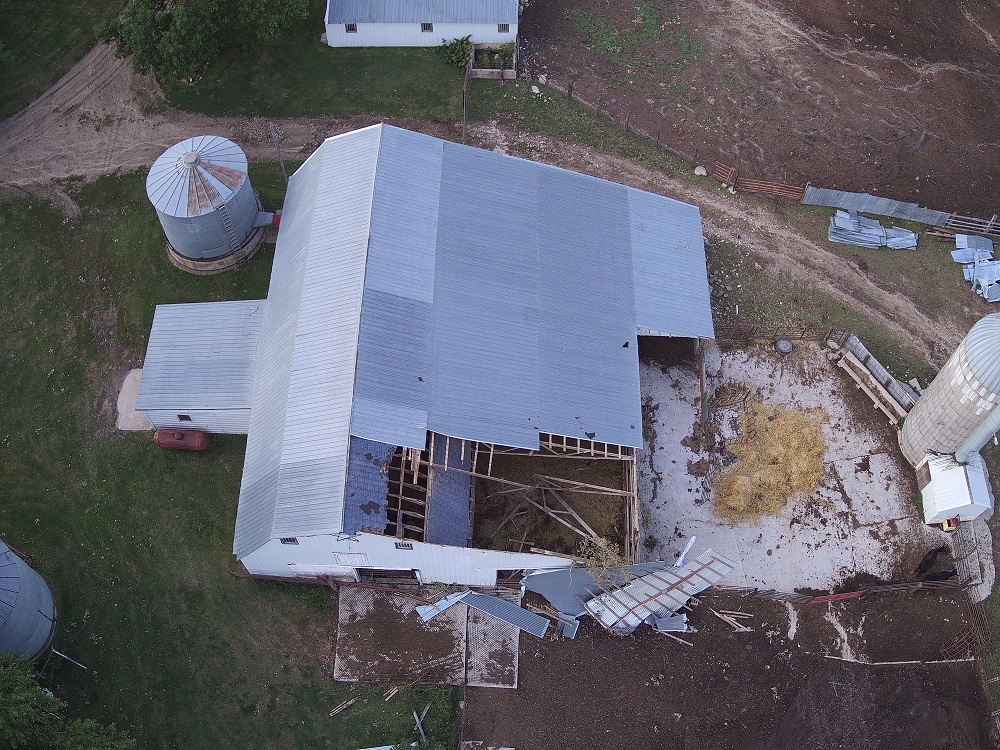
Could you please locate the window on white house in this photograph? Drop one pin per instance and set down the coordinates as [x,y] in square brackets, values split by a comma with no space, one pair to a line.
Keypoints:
[404,545]
[289,540]
[183,417]
[351,28]
[427,27]
[503,28]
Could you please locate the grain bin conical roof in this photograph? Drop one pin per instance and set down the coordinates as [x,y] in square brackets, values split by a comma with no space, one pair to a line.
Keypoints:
[982,351]
[192,177]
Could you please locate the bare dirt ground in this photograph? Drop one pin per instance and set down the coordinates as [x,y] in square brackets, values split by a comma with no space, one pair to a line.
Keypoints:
[896,98]
[775,688]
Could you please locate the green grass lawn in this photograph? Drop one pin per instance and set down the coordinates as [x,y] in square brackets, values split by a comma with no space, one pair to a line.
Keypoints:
[44,39]
[134,541]
[299,76]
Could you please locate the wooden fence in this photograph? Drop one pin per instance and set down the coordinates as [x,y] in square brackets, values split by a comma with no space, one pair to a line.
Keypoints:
[755,331]
[731,176]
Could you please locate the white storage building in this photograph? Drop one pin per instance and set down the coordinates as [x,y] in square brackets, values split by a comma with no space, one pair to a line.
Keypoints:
[419,23]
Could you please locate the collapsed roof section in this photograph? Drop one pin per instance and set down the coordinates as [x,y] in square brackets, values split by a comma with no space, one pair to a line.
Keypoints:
[421,285]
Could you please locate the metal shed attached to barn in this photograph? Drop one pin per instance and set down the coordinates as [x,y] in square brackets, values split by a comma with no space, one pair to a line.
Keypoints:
[199,364]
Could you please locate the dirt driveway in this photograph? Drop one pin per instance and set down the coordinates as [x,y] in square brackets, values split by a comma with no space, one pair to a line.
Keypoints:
[100,118]
[894,97]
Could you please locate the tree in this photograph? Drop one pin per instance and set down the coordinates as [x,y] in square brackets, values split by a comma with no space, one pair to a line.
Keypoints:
[33,720]
[182,39]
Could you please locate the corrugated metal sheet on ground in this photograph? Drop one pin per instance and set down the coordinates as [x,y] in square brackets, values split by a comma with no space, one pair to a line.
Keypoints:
[873,204]
[365,490]
[564,589]
[851,228]
[517,616]
[657,594]
[448,497]
[422,11]
[201,356]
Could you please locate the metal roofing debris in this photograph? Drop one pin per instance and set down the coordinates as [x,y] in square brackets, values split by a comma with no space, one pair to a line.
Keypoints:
[422,11]
[201,356]
[657,594]
[850,228]
[567,625]
[428,612]
[512,614]
[903,394]
[502,609]
[401,301]
[873,204]
[565,588]
[978,267]
[671,624]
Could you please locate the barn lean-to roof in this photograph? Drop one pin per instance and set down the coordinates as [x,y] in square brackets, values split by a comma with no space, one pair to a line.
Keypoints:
[421,285]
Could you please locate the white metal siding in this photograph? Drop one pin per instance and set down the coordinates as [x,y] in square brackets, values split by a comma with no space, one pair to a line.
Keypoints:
[410,35]
[436,563]
[222,421]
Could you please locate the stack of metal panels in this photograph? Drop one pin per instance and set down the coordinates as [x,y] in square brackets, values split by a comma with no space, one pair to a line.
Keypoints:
[851,228]
[975,253]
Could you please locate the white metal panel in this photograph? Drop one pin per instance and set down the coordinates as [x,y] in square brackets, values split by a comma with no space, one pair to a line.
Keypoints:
[222,421]
[436,563]
[410,35]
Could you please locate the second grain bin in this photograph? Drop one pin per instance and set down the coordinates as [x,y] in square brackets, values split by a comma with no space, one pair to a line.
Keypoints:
[206,205]
[27,613]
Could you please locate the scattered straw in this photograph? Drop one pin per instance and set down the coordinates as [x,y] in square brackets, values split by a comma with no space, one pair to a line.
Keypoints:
[603,558]
[779,455]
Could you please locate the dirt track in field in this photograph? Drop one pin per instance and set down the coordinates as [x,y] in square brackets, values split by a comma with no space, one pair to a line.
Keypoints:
[100,118]
[895,97]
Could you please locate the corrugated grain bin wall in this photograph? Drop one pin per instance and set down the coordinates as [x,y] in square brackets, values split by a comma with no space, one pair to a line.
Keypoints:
[960,401]
[203,197]
[27,613]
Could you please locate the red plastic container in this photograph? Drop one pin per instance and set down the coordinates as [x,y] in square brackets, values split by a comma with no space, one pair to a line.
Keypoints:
[181,440]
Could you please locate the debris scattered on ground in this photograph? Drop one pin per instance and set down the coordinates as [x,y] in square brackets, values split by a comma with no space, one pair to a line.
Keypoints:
[779,455]
[850,228]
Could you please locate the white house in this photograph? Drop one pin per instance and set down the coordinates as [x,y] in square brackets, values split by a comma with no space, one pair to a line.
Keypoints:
[419,23]
[428,302]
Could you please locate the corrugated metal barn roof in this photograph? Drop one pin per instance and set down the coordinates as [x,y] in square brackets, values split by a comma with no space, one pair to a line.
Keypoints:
[201,356]
[422,11]
[424,285]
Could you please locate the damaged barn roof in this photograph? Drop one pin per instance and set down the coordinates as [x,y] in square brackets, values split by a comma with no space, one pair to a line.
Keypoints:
[422,285]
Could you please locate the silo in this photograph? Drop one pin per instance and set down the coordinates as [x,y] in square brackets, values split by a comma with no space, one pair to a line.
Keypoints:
[957,413]
[206,205]
[27,614]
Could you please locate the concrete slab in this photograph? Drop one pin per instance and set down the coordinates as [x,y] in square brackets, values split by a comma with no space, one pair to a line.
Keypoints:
[128,418]
[862,519]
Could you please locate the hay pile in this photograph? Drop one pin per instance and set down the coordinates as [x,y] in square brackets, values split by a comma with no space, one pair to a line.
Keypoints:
[779,455]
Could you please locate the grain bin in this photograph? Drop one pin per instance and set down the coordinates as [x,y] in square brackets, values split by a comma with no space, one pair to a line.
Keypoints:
[958,413]
[206,205]
[27,614]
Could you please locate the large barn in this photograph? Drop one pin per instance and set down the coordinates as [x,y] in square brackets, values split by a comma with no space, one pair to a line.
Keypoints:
[419,23]
[431,307]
